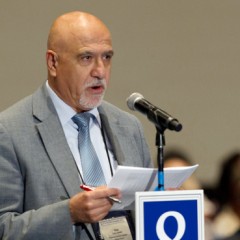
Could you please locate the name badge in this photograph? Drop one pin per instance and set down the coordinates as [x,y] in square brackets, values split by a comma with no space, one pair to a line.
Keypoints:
[115,228]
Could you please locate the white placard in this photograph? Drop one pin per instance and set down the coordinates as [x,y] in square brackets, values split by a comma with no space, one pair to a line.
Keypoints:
[168,215]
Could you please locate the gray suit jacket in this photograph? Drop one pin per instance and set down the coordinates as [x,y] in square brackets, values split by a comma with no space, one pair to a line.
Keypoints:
[38,174]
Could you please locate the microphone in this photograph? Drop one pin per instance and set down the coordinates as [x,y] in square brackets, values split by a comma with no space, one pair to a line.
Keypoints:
[160,118]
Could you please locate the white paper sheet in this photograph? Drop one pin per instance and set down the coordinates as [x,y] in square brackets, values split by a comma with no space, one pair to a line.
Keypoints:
[134,179]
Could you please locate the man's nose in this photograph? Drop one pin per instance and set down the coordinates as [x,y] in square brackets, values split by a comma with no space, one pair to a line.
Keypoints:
[99,69]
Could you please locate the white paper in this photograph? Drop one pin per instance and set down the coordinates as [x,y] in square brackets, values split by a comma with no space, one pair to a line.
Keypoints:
[135,179]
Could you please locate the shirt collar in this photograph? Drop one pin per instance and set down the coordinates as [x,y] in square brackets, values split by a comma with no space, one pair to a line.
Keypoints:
[64,111]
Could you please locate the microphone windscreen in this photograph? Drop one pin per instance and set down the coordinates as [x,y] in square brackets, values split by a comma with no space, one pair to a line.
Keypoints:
[131,100]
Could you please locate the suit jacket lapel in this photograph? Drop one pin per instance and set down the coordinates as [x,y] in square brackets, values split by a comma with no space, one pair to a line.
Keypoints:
[113,134]
[54,141]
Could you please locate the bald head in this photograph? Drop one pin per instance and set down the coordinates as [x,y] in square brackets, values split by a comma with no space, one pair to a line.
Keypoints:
[75,25]
[79,59]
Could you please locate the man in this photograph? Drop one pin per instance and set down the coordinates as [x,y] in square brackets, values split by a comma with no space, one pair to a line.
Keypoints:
[41,168]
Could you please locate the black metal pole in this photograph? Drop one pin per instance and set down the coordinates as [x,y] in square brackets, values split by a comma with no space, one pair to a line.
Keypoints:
[160,143]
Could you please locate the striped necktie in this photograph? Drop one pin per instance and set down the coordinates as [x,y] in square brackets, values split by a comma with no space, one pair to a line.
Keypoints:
[91,167]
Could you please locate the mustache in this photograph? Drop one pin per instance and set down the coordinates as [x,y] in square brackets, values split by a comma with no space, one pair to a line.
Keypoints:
[96,83]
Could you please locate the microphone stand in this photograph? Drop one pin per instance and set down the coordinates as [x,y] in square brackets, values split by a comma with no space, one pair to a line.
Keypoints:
[160,143]
[153,115]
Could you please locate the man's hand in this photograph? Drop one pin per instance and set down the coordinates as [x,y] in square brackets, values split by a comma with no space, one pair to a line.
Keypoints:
[89,207]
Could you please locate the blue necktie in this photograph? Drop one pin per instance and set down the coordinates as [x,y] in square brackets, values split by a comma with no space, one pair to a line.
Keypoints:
[91,167]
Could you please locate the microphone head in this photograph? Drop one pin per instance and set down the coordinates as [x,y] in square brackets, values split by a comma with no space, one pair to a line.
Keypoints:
[132,99]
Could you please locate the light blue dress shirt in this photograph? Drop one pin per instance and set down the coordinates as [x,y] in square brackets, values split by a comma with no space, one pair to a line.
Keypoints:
[65,114]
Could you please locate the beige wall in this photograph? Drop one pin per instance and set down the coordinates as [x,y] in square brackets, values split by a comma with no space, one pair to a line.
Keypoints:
[182,55]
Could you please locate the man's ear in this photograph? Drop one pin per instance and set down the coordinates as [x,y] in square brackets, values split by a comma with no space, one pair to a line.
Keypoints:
[51,59]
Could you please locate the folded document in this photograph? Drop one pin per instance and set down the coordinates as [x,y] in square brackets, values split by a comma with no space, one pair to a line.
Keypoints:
[135,179]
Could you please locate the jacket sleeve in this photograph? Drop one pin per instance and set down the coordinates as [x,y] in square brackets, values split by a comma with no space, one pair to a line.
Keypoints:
[48,222]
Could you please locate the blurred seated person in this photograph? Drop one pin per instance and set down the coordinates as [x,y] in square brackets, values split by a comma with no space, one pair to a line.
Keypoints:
[179,158]
[227,222]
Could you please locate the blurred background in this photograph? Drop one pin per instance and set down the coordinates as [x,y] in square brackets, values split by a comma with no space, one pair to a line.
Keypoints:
[183,56]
